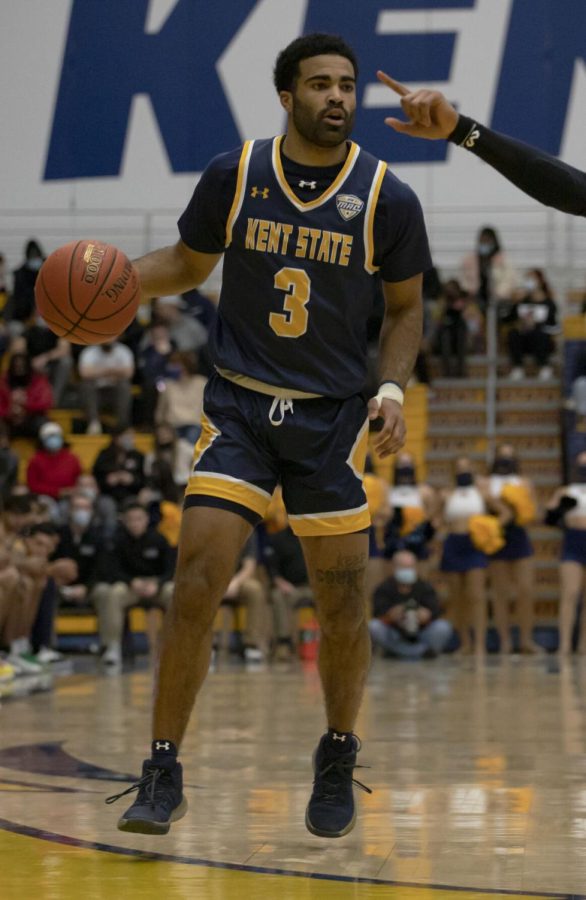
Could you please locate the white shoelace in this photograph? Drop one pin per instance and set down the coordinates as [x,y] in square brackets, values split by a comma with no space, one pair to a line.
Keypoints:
[283,405]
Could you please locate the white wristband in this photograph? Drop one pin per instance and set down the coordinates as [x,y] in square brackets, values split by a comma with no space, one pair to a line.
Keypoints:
[390,391]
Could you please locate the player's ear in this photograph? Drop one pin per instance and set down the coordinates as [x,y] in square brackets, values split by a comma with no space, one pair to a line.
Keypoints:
[286,99]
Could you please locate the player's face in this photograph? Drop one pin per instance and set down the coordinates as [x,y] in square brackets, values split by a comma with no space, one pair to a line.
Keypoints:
[323,102]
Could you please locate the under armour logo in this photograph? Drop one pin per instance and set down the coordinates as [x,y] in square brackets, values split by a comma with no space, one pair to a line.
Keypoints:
[260,192]
[162,745]
[338,737]
[310,184]
[472,138]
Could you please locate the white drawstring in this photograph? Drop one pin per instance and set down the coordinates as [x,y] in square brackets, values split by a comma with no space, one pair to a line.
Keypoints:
[284,405]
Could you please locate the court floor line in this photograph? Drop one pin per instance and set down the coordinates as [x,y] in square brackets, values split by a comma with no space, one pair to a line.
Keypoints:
[69,841]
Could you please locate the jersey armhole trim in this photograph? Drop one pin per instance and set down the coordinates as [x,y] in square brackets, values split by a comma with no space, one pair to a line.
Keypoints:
[373,196]
[240,189]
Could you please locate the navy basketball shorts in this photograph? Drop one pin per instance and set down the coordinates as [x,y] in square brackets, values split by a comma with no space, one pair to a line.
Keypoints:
[315,448]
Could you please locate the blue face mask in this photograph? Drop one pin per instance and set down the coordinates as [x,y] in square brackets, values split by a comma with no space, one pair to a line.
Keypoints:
[406,576]
[53,442]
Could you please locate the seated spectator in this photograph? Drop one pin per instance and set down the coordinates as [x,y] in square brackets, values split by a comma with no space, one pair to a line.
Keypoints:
[534,320]
[187,334]
[451,338]
[172,455]
[488,274]
[21,305]
[81,540]
[119,467]
[407,621]
[284,561]
[152,364]
[246,589]
[181,401]
[25,397]
[105,510]
[50,355]
[54,469]
[106,372]
[8,464]
[136,571]
[30,556]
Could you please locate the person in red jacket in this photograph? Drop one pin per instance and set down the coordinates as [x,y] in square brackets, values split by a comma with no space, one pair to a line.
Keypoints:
[25,397]
[54,469]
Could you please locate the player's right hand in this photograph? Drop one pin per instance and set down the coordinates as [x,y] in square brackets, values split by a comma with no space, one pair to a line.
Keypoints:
[430,115]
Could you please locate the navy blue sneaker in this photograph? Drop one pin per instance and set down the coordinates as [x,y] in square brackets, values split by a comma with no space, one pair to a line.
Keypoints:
[160,800]
[331,812]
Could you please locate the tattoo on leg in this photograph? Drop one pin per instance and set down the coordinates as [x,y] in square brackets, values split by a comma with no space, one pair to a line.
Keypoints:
[348,572]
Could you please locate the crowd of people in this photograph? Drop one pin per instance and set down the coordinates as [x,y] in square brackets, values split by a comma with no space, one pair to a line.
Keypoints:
[59,528]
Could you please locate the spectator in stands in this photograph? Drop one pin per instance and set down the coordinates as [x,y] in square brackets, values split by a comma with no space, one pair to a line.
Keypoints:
[136,571]
[152,363]
[451,338]
[172,456]
[181,401]
[487,274]
[54,469]
[8,464]
[3,285]
[21,305]
[284,561]
[407,620]
[105,515]
[566,509]
[534,320]
[246,589]
[119,467]
[186,333]
[106,372]
[81,540]
[25,397]
[511,570]
[50,355]
[31,557]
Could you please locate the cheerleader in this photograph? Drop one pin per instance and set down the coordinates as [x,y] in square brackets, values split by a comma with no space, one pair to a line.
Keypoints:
[512,567]
[567,510]
[414,509]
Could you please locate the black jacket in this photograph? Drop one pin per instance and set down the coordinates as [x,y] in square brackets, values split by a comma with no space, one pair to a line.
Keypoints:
[387,595]
[113,459]
[86,551]
[127,557]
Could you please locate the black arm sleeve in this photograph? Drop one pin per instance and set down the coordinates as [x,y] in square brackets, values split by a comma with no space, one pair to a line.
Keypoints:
[541,176]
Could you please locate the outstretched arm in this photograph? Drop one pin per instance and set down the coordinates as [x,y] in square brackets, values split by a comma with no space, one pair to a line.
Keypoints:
[541,176]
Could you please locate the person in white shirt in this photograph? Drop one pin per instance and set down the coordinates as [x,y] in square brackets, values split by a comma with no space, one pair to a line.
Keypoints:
[106,372]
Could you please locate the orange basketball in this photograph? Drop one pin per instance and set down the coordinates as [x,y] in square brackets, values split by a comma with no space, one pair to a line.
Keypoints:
[87,292]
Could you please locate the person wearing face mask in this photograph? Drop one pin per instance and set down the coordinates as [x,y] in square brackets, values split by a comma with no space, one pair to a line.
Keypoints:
[171,453]
[80,540]
[21,305]
[512,570]
[462,562]
[25,397]
[119,467]
[414,509]
[106,372]
[488,274]
[406,619]
[54,468]
[180,402]
[533,318]
[566,509]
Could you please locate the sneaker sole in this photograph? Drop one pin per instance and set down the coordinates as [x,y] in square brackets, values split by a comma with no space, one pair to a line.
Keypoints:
[147,826]
[329,834]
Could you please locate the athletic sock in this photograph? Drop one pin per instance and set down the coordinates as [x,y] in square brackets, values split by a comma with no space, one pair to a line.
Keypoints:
[340,741]
[164,754]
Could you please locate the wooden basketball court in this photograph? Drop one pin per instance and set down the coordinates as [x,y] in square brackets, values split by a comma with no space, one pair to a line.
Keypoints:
[478,772]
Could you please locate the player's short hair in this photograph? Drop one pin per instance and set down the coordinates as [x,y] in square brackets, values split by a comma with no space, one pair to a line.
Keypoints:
[286,69]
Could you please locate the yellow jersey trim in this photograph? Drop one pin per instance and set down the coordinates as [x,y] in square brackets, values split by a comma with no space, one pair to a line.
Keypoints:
[342,522]
[373,196]
[240,189]
[208,435]
[327,195]
[357,456]
[252,384]
[211,484]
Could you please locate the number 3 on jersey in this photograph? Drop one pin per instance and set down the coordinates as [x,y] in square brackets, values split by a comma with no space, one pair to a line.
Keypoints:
[292,323]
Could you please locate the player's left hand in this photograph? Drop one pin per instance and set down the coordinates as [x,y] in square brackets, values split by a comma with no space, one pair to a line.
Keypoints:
[391,437]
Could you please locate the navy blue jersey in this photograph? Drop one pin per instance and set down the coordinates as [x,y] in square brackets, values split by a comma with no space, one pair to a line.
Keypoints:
[298,275]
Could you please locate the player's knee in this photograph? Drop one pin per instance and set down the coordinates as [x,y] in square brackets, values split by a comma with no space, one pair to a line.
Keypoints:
[343,618]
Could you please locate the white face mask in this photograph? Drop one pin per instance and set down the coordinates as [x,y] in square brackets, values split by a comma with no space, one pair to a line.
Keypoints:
[81,517]
[406,576]
[35,263]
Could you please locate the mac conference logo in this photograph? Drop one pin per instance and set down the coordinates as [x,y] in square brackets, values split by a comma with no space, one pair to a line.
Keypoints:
[349,206]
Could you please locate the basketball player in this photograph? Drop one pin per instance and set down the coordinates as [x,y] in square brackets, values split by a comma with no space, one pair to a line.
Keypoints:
[304,222]
[535,172]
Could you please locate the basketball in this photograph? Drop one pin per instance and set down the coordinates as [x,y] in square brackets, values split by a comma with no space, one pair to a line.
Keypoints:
[87,292]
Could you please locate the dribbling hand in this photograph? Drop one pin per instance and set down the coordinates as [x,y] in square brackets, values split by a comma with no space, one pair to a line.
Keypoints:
[430,115]
[391,437]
